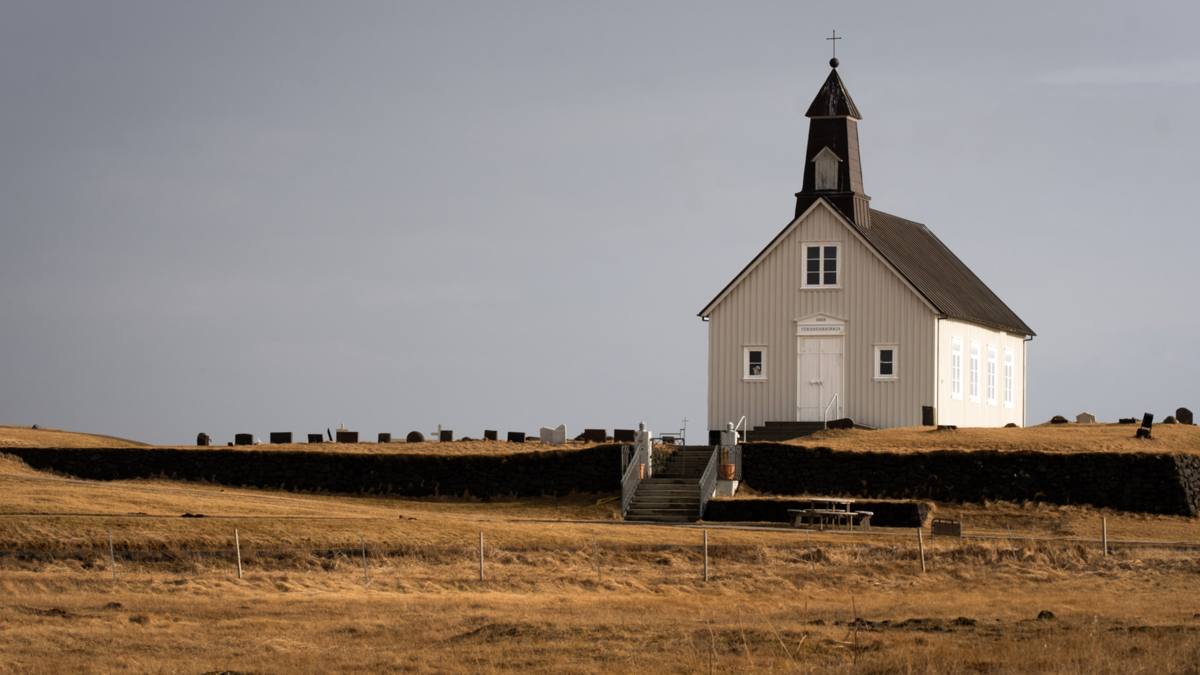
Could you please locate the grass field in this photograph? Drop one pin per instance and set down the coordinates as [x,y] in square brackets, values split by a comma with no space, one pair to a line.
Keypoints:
[567,588]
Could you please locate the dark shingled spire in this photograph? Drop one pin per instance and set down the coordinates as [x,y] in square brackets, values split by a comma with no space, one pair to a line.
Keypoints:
[833,100]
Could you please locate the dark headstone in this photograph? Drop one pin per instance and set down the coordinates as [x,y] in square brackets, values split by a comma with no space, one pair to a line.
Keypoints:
[595,435]
[1142,432]
[516,437]
[1169,419]
[243,439]
[202,439]
[1184,416]
[445,435]
[1148,420]
[1057,419]
[714,436]
[316,438]
[927,416]
[385,437]
[344,436]
[1010,425]
[1127,420]
[843,423]
[281,437]
[624,436]
[1045,615]
[230,444]
[947,427]
[490,434]
[415,437]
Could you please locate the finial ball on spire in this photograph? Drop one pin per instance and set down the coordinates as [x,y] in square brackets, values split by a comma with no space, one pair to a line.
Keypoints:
[833,63]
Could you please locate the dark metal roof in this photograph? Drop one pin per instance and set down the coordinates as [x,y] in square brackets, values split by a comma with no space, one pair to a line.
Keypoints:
[938,274]
[929,266]
[833,100]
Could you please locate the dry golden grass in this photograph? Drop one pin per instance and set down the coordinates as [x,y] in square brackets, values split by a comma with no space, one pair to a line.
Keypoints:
[583,594]
[26,437]
[1168,438]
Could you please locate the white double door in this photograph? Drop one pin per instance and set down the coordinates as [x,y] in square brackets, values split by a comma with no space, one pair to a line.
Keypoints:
[819,376]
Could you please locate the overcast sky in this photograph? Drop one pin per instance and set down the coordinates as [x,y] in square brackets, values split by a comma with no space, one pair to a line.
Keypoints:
[253,216]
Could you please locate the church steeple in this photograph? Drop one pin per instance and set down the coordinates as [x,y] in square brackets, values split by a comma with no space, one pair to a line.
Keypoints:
[832,166]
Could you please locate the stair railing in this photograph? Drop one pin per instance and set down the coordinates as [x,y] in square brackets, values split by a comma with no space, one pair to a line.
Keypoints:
[825,416]
[708,480]
[632,476]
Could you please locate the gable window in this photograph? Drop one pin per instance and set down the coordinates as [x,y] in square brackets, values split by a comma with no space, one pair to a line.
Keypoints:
[754,365]
[885,362]
[956,370]
[1008,378]
[821,264]
[974,371]
[991,375]
[826,164]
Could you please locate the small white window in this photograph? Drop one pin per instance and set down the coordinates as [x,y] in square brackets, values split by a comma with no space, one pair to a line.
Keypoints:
[975,372]
[754,364]
[885,362]
[956,368]
[821,264]
[991,375]
[1008,378]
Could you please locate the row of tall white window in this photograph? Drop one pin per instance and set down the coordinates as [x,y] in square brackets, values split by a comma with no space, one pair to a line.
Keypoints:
[973,378]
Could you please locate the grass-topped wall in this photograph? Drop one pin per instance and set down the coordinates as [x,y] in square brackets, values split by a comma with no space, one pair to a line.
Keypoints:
[522,474]
[1145,482]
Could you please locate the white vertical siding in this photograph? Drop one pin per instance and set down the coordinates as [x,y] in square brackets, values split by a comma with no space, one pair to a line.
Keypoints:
[963,411]
[876,304]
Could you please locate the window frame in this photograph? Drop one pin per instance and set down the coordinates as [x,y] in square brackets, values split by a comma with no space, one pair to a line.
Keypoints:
[1010,378]
[990,384]
[880,377]
[956,368]
[804,246]
[746,376]
[973,371]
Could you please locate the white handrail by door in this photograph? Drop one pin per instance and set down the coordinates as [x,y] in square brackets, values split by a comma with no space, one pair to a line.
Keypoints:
[825,416]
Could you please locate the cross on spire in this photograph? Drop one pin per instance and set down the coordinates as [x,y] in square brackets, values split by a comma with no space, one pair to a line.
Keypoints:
[833,42]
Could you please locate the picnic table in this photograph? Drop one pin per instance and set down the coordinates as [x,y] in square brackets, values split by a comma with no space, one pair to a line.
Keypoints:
[832,511]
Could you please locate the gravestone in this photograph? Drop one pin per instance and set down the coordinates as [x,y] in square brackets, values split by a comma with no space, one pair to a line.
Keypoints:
[445,435]
[546,435]
[1169,419]
[281,437]
[516,437]
[1058,419]
[1085,418]
[490,434]
[595,435]
[203,439]
[316,438]
[415,437]
[1127,420]
[927,418]
[346,436]
[1010,425]
[1148,420]
[1184,416]
[243,439]
[385,437]
[1142,432]
[625,436]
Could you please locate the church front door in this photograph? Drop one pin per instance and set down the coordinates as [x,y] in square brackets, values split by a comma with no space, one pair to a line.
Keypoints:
[819,377]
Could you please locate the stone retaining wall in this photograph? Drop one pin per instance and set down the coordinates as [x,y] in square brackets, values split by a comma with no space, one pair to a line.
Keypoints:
[1148,483]
[523,474]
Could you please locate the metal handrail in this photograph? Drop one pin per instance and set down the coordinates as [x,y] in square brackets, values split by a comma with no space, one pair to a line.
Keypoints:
[632,478]
[708,480]
[825,416]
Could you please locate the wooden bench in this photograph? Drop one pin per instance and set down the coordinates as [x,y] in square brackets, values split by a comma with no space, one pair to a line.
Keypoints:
[835,517]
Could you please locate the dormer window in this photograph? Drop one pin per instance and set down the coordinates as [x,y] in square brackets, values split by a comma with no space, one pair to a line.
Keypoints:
[826,165]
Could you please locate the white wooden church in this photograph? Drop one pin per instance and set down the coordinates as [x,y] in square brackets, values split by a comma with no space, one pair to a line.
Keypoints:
[853,312]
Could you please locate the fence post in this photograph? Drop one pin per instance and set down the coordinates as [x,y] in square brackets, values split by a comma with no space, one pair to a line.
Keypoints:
[112,557]
[921,549]
[706,555]
[481,555]
[366,578]
[237,545]
[1104,533]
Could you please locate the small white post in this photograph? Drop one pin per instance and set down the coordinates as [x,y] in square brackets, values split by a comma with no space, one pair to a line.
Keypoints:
[112,557]
[237,545]
[481,555]
[921,549]
[1104,533]
[706,555]
[366,577]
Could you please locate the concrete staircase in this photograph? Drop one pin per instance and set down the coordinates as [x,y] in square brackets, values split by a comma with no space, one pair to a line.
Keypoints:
[673,494]
[782,431]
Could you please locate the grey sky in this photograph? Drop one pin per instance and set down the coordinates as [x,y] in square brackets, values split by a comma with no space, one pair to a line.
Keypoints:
[281,216]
